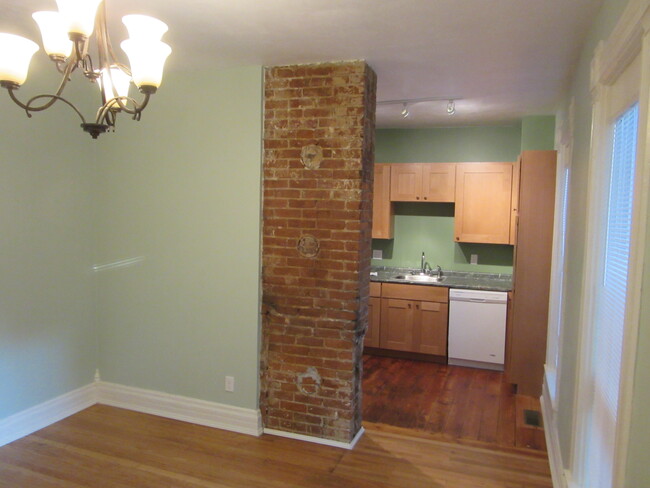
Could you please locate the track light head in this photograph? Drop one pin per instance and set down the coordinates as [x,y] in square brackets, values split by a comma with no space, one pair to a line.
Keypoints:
[451,107]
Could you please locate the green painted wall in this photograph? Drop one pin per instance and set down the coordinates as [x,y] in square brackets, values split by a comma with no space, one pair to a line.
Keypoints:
[48,340]
[181,191]
[430,227]
[638,468]
[452,144]
[538,133]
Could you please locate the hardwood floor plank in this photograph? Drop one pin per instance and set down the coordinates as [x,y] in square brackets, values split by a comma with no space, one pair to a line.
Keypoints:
[490,406]
[506,419]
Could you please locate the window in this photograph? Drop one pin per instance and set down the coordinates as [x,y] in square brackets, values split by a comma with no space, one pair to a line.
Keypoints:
[610,300]
[564,136]
[615,246]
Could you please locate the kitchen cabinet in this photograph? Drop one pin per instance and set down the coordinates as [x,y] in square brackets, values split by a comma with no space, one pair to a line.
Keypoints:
[382,207]
[371,338]
[483,203]
[422,182]
[531,273]
[414,318]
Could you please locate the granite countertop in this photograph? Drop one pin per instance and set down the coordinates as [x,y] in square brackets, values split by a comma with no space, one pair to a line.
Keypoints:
[453,279]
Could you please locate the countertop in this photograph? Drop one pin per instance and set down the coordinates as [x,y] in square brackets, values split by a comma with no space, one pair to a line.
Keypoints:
[453,279]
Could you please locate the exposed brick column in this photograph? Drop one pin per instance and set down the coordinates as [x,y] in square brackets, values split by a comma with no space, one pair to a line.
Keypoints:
[318,160]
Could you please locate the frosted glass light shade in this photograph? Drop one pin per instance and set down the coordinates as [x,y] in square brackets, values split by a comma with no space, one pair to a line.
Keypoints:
[54,33]
[15,55]
[118,79]
[147,60]
[144,28]
[79,15]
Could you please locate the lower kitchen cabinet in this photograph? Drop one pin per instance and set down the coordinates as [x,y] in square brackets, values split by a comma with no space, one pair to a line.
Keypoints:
[432,328]
[414,318]
[371,338]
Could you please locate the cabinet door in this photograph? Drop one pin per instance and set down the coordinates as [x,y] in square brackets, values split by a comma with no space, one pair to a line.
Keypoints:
[431,327]
[483,202]
[382,207]
[406,182]
[531,273]
[514,210]
[438,182]
[396,324]
[374,314]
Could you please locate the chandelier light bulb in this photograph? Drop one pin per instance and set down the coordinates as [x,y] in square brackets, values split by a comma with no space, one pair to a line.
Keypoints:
[116,83]
[144,28]
[405,111]
[15,55]
[54,34]
[147,60]
[78,15]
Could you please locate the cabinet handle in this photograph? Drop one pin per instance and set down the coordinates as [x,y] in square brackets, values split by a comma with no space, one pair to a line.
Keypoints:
[409,305]
[417,198]
[425,198]
[417,307]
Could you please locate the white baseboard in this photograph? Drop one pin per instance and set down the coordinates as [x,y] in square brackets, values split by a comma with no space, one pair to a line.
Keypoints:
[40,416]
[317,440]
[211,414]
[552,439]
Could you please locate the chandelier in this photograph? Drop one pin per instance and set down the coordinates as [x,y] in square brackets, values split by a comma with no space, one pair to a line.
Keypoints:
[66,40]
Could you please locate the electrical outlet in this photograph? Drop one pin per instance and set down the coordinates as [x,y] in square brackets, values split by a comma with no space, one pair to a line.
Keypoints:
[230,383]
[377,254]
[473,259]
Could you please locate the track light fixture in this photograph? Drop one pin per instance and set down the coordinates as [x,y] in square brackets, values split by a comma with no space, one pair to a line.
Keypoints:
[66,40]
[451,107]
[451,103]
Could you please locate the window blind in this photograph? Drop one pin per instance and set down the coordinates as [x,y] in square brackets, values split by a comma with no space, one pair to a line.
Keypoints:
[611,296]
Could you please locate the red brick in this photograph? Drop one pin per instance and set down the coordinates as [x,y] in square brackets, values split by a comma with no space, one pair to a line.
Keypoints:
[312,306]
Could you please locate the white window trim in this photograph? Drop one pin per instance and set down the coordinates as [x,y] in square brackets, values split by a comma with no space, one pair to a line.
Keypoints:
[564,144]
[628,39]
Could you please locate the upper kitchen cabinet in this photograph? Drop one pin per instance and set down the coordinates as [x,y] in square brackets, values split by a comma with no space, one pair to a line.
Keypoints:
[422,182]
[483,203]
[382,207]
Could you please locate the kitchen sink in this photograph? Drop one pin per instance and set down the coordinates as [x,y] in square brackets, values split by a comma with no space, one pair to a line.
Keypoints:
[420,278]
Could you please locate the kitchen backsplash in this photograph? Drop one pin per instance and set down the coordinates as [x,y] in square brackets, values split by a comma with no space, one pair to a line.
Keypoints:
[429,227]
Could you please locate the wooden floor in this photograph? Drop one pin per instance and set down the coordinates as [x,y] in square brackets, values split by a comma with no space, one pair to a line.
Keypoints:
[106,447]
[452,402]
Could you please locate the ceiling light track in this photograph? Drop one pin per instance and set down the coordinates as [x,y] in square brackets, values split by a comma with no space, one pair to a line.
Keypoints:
[451,103]
[417,100]
[66,36]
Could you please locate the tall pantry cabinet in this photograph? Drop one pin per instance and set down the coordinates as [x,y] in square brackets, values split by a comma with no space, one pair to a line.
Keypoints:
[533,208]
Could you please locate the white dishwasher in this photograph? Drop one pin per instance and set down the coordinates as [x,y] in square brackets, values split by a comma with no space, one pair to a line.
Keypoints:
[477,328]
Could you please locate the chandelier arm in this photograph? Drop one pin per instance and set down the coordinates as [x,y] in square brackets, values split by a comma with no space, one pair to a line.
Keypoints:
[122,104]
[137,108]
[53,98]
[28,108]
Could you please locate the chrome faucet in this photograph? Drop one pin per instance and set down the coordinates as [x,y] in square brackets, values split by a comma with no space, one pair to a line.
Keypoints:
[424,265]
[438,270]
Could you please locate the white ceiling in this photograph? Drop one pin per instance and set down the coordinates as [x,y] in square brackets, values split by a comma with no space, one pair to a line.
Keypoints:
[503,59]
